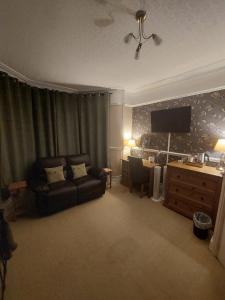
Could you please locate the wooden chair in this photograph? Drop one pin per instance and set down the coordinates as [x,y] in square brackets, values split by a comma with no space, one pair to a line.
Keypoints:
[138,175]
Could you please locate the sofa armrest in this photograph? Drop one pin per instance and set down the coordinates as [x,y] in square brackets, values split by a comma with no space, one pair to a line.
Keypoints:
[98,173]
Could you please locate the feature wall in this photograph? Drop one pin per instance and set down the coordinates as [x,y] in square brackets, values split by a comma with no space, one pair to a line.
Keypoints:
[207,124]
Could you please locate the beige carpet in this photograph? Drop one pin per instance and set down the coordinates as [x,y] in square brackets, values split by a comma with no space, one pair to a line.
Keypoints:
[118,247]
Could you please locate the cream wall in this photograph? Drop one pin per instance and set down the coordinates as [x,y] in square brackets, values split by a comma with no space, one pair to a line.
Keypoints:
[120,126]
[221,254]
[115,138]
[115,131]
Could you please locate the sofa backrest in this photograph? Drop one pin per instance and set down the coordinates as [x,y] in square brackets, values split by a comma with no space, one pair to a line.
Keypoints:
[65,161]
[49,162]
[78,159]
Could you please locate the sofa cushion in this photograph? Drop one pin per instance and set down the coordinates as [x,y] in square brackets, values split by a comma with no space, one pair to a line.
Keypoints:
[61,188]
[55,174]
[49,162]
[87,184]
[77,160]
[79,171]
[61,195]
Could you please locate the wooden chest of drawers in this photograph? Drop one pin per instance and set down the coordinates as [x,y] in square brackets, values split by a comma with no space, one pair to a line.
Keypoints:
[190,189]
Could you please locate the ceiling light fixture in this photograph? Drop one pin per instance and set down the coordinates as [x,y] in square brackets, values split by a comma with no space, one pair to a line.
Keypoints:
[141,38]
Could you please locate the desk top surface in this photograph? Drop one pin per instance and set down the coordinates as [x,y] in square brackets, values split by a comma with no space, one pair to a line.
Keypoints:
[205,169]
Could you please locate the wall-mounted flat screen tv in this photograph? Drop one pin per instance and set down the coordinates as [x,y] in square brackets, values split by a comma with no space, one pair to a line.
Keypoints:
[171,120]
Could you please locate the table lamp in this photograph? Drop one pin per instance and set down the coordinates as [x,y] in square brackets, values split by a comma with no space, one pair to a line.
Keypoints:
[220,147]
[131,143]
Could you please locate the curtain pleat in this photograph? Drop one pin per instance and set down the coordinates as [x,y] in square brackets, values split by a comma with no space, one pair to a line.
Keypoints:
[44,123]
[67,123]
[16,125]
[44,116]
[83,126]
[93,118]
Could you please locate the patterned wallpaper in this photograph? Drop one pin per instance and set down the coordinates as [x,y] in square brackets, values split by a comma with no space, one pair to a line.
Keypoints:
[207,124]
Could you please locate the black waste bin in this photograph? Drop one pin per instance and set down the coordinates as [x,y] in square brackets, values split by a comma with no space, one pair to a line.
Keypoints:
[201,225]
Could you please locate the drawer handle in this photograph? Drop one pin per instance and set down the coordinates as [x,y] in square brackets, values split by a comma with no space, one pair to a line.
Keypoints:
[204,184]
[202,198]
[178,176]
[177,190]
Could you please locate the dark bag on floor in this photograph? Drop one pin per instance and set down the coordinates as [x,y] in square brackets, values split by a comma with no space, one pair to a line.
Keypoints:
[7,243]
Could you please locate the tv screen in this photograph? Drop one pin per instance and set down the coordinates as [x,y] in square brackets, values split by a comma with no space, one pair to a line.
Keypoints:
[171,120]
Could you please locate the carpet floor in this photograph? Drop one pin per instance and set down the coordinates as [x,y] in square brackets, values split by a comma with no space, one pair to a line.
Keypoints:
[118,247]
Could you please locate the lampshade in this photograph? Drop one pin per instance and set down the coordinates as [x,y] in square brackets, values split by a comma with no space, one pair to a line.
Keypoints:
[220,145]
[131,143]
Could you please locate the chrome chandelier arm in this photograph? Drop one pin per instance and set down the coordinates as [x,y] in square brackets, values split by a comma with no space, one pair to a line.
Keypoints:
[142,33]
[136,38]
[129,36]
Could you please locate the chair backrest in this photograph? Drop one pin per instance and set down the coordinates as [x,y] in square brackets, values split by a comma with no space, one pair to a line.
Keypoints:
[137,173]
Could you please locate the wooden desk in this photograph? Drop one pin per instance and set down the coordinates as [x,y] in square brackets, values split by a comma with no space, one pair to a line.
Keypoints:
[190,189]
[125,172]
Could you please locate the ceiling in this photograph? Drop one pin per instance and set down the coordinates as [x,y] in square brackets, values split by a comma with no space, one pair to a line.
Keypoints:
[65,42]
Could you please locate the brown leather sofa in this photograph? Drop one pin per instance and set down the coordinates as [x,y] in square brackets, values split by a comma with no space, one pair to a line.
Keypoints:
[51,198]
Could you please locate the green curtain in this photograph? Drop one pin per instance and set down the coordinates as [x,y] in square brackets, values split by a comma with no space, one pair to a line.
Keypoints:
[16,126]
[67,123]
[39,122]
[93,120]
[44,116]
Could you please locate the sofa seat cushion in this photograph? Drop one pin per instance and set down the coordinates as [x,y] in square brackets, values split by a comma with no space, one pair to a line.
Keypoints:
[88,187]
[86,183]
[61,195]
[61,188]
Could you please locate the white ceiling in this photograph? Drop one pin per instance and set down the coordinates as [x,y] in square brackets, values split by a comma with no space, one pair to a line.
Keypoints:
[58,41]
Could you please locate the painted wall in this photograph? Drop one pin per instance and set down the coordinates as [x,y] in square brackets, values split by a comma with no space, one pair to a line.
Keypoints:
[207,124]
[115,138]
[120,127]
[221,254]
